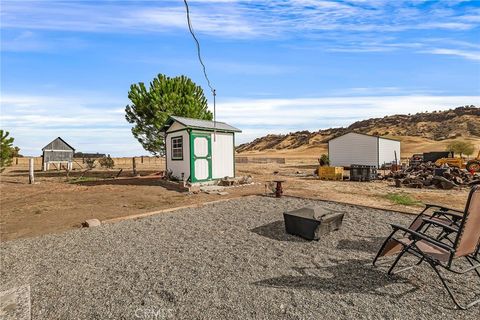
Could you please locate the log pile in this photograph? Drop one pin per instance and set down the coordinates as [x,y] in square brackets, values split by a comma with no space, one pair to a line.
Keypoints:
[428,175]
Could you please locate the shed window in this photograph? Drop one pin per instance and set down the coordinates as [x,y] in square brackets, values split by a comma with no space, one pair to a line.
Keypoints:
[177,148]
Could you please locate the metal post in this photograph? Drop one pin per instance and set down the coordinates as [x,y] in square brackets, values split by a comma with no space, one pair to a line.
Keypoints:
[214,116]
[31,177]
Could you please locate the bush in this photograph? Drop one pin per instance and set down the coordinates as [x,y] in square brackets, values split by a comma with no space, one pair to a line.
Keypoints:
[90,163]
[324,160]
[107,162]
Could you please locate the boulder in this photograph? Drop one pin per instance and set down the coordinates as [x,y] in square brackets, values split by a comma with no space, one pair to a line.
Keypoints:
[91,223]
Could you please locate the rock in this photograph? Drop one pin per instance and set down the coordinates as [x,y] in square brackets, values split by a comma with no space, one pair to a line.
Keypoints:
[246,180]
[430,175]
[443,183]
[91,223]
[194,188]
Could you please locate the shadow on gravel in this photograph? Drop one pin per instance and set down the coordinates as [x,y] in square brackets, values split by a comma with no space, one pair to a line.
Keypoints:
[367,244]
[276,231]
[349,276]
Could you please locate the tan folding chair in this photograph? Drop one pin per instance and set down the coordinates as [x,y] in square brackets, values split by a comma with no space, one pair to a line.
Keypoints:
[423,222]
[438,253]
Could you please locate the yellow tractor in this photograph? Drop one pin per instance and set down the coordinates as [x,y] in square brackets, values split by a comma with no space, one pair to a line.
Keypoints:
[452,162]
[474,164]
[459,162]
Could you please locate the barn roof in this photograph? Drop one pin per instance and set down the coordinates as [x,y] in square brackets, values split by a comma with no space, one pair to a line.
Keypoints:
[58,138]
[200,124]
[364,134]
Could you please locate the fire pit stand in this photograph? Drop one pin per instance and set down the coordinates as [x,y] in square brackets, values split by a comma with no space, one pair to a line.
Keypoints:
[312,222]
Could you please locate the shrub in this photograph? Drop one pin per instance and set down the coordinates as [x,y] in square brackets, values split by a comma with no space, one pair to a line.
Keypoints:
[324,160]
[90,162]
[107,162]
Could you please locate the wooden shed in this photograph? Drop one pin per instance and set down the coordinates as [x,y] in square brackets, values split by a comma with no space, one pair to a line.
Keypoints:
[363,149]
[199,150]
[57,152]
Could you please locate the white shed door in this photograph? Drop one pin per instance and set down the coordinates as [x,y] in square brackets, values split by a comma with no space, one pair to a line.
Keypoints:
[202,157]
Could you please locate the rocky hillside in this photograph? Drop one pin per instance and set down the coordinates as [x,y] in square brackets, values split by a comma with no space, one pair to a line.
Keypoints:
[436,126]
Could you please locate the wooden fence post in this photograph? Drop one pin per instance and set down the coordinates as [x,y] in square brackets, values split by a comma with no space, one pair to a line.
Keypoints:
[134,166]
[31,177]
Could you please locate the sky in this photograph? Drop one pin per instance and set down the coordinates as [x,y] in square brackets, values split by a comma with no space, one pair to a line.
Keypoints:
[278,66]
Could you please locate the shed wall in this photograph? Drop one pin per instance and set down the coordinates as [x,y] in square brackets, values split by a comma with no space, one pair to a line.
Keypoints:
[386,152]
[175,126]
[222,155]
[353,148]
[178,166]
[60,156]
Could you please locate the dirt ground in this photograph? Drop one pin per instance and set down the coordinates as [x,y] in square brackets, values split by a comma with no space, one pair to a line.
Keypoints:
[54,204]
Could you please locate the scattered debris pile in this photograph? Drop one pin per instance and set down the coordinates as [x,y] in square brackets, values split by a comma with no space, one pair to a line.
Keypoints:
[228,182]
[428,175]
[221,185]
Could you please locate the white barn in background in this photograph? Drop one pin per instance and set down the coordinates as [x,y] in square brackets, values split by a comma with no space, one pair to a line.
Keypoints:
[199,150]
[359,148]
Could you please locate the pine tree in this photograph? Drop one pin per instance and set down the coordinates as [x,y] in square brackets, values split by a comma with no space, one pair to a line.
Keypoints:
[6,149]
[150,108]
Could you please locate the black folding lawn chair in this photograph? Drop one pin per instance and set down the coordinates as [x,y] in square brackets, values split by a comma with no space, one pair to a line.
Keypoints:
[463,240]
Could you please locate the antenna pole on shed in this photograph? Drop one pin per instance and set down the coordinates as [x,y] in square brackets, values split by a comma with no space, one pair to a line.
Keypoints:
[214,116]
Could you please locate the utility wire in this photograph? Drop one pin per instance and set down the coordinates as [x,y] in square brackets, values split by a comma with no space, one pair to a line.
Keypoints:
[198,47]
[190,28]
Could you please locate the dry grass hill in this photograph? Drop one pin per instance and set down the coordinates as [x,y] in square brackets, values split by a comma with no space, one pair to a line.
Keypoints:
[420,132]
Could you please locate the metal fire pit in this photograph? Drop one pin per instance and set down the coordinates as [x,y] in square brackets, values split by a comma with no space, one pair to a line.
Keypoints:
[312,222]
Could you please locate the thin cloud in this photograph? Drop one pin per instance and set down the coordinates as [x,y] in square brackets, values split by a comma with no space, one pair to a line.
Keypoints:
[470,55]
[343,27]
[242,19]
[304,112]
[114,18]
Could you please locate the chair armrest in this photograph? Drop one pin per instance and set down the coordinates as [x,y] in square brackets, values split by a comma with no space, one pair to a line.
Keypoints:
[442,208]
[453,214]
[421,236]
[440,224]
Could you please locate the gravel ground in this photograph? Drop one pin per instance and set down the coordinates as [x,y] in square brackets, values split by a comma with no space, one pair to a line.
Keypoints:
[225,260]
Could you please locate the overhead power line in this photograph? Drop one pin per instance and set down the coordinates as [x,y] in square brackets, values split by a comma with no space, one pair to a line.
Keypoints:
[190,28]
[198,47]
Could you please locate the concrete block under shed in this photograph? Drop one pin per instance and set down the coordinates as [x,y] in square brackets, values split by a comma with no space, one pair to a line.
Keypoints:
[312,222]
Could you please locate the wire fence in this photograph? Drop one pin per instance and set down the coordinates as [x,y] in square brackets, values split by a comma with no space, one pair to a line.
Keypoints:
[141,163]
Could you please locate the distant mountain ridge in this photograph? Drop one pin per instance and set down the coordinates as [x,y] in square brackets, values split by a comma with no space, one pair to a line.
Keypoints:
[437,125]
